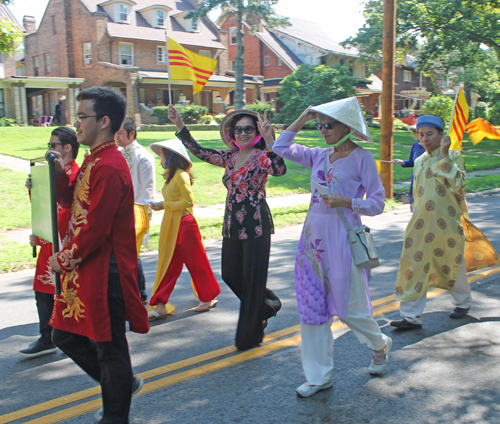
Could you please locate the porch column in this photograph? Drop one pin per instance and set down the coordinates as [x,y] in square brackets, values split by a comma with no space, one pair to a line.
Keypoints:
[20,104]
[71,103]
[17,103]
[24,104]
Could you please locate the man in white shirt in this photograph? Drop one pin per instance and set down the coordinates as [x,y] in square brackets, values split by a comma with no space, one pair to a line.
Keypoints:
[142,168]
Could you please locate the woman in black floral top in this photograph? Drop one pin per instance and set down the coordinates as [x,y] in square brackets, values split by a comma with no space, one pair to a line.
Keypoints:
[248,223]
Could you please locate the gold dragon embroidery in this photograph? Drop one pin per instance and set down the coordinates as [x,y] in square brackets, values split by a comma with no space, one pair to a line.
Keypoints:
[69,296]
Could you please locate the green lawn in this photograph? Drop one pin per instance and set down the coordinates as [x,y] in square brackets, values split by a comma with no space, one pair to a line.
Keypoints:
[15,211]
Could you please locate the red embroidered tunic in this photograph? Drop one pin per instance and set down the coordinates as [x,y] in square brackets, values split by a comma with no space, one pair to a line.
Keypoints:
[102,219]
[44,277]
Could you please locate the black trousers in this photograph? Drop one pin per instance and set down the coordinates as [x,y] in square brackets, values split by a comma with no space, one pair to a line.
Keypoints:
[44,306]
[244,270]
[141,279]
[106,362]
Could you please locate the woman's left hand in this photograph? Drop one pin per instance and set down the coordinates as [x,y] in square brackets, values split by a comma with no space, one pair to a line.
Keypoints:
[445,145]
[335,200]
[266,130]
[157,206]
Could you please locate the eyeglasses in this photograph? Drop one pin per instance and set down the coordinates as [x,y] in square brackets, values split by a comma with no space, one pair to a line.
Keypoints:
[52,146]
[80,118]
[247,130]
[326,125]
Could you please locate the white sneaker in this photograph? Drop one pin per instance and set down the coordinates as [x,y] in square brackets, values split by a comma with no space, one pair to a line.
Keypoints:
[380,360]
[307,390]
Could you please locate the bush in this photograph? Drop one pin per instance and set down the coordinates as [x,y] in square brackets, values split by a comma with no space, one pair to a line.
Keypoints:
[441,106]
[309,125]
[398,124]
[8,122]
[481,110]
[494,115]
[190,114]
[219,118]
[206,119]
[260,106]
[313,85]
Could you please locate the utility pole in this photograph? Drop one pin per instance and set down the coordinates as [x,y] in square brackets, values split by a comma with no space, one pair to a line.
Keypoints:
[386,139]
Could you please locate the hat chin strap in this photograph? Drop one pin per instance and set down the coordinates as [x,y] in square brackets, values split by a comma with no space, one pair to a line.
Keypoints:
[344,138]
[168,160]
[253,143]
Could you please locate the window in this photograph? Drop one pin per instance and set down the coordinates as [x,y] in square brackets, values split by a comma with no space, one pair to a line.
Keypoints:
[267,60]
[231,65]
[161,54]
[36,66]
[126,54]
[322,60]
[87,54]
[54,25]
[2,104]
[206,53]
[194,25]
[123,12]
[407,76]
[160,18]
[350,65]
[279,62]
[232,35]
[341,62]
[47,64]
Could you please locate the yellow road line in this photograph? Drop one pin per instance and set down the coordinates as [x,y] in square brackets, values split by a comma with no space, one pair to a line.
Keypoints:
[204,369]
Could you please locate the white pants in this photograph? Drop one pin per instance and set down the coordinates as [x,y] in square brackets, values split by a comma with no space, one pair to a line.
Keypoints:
[317,340]
[412,311]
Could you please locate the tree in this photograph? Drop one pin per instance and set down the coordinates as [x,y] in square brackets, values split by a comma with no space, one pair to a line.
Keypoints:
[313,85]
[251,10]
[10,35]
[441,106]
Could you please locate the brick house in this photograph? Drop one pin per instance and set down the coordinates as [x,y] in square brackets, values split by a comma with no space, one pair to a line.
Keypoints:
[121,44]
[277,52]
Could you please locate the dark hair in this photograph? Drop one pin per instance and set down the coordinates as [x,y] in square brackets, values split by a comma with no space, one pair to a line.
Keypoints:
[108,103]
[67,135]
[177,162]
[232,125]
[129,126]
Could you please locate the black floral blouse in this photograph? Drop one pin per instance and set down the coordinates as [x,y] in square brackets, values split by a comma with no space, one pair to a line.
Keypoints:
[246,187]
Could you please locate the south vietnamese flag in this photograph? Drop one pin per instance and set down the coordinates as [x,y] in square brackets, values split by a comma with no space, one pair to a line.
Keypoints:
[459,118]
[187,65]
[480,128]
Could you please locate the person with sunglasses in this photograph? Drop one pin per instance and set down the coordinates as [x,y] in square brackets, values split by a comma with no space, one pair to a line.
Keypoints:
[248,223]
[62,140]
[344,178]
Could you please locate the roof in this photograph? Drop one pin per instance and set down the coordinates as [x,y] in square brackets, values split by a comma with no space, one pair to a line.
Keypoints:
[5,13]
[214,78]
[139,28]
[310,33]
[283,52]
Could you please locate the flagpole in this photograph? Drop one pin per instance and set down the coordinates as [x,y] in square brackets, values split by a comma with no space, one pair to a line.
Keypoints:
[453,110]
[168,70]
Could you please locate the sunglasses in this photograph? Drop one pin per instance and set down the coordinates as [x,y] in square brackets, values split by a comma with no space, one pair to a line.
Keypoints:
[247,130]
[53,145]
[326,125]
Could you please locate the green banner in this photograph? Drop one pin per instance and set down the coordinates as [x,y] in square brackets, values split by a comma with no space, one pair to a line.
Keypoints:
[40,202]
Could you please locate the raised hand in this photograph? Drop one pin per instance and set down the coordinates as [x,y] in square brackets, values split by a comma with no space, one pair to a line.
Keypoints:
[175,117]
[445,145]
[266,130]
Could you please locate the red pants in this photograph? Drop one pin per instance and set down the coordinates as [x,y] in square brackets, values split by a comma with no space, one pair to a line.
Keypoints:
[189,250]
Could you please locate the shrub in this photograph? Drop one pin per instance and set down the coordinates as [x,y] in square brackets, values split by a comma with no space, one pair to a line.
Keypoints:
[399,125]
[206,119]
[441,106]
[494,115]
[219,118]
[310,125]
[261,106]
[8,122]
[190,114]
[481,110]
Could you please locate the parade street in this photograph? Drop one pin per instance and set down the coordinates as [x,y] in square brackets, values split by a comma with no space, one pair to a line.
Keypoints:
[446,372]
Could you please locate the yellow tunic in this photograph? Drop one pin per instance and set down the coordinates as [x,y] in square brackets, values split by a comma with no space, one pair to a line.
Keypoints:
[178,196]
[434,238]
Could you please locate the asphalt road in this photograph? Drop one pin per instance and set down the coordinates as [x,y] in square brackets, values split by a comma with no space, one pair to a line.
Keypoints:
[447,372]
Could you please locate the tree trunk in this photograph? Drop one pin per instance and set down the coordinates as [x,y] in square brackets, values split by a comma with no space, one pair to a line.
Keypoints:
[238,60]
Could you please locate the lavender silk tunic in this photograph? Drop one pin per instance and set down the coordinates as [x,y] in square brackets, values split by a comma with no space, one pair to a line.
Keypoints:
[323,261]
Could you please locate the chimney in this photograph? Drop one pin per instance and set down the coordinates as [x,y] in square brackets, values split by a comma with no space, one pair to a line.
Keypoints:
[29,24]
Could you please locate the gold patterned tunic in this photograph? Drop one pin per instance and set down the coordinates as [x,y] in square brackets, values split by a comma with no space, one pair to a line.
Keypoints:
[434,238]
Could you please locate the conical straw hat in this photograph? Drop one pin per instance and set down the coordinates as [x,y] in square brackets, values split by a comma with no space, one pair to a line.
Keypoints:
[174,145]
[226,122]
[348,111]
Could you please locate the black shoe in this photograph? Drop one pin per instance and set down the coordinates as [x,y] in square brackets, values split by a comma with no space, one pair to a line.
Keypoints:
[38,348]
[273,304]
[405,325]
[136,388]
[459,312]
[144,298]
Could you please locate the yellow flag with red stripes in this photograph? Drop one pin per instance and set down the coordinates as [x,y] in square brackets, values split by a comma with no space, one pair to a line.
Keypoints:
[187,65]
[480,128]
[459,118]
